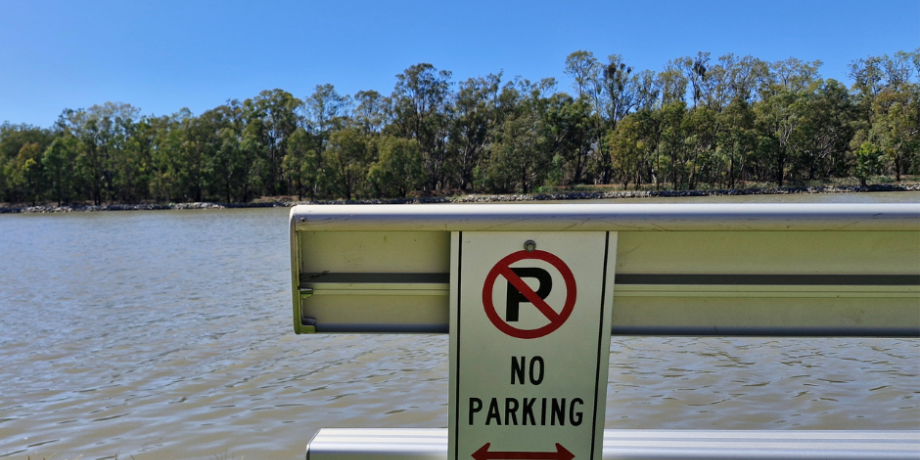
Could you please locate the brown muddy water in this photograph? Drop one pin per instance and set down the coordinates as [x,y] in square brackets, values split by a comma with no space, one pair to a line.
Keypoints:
[167,335]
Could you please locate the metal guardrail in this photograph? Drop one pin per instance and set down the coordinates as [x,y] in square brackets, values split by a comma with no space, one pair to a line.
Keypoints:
[681,269]
[431,444]
[608,217]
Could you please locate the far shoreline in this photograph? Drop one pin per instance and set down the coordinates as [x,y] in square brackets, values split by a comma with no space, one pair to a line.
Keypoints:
[472,198]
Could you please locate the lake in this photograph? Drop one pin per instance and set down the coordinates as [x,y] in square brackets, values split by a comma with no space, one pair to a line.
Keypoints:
[168,334]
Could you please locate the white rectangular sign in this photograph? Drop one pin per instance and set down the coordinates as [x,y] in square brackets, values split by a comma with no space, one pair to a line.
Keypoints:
[529,344]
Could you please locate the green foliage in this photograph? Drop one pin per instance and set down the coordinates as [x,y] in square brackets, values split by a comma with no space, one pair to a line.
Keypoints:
[56,161]
[398,169]
[347,158]
[700,122]
[868,162]
[26,171]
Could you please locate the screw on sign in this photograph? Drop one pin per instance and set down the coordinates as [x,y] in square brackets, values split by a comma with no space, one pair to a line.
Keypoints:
[519,291]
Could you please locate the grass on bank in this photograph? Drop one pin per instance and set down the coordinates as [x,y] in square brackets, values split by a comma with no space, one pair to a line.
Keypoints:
[741,186]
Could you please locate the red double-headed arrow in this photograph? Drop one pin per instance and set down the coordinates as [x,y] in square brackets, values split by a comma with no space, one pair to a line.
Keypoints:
[560,454]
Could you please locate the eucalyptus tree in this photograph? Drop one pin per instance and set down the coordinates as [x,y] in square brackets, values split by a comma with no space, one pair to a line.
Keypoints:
[58,160]
[419,111]
[778,119]
[255,153]
[716,91]
[587,74]
[117,122]
[225,166]
[629,147]
[324,112]
[886,90]
[827,126]
[613,91]
[672,143]
[897,131]
[231,164]
[647,90]
[619,90]
[498,171]
[617,99]
[302,163]
[649,126]
[672,85]
[102,131]
[134,166]
[742,76]
[694,70]
[275,112]
[736,138]
[875,75]
[522,148]
[869,160]
[25,172]
[397,171]
[511,154]
[370,111]
[195,142]
[12,139]
[164,167]
[584,69]
[569,131]
[474,112]
[781,110]
[700,143]
[731,92]
[347,158]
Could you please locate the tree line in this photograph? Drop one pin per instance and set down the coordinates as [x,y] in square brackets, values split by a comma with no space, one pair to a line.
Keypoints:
[699,122]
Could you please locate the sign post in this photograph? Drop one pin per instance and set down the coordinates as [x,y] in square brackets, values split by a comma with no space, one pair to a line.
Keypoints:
[529,344]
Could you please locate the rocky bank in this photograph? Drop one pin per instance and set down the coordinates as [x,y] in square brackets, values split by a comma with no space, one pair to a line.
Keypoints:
[471,198]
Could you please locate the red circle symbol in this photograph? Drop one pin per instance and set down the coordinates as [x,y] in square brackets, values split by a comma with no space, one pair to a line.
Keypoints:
[503,268]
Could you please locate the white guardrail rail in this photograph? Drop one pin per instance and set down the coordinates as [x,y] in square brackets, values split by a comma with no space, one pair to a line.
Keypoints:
[431,444]
[826,270]
[704,269]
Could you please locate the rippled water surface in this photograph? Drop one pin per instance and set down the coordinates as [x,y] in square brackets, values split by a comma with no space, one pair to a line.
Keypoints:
[167,334]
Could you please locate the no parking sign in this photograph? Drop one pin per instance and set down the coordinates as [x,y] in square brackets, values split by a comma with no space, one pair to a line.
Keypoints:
[530,341]
[519,291]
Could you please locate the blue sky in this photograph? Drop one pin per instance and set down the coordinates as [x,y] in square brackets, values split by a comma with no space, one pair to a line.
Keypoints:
[164,55]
